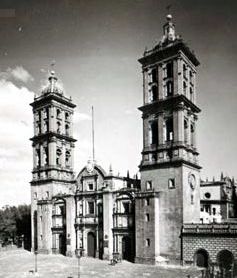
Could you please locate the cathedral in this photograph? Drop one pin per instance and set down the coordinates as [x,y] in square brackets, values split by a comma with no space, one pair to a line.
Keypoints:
[169,215]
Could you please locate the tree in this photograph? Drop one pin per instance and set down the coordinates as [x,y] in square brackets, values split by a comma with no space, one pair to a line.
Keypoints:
[15,222]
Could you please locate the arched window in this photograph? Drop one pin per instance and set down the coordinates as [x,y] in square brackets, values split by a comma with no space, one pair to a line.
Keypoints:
[154,93]
[154,75]
[185,131]
[38,162]
[46,113]
[66,116]
[184,88]
[169,69]
[153,132]
[67,158]
[58,157]
[58,127]
[192,129]
[46,126]
[169,87]
[46,157]
[184,71]
[169,129]
[191,94]
[191,76]
[59,115]
[67,129]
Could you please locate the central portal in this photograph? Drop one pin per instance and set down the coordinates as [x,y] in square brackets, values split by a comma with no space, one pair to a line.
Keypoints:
[126,248]
[91,244]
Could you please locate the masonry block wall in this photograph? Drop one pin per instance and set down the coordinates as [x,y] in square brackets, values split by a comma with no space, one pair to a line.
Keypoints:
[213,244]
[147,223]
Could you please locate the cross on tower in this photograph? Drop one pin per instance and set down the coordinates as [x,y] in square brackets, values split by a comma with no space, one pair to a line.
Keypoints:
[168,8]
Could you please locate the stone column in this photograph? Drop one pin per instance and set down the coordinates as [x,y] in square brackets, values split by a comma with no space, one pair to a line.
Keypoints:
[188,131]
[97,242]
[63,123]
[160,83]
[180,115]
[63,155]
[34,156]
[146,132]
[52,151]
[35,124]
[175,125]
[194,133]
[160,129]
[145,86]
[52,120]
[108,223]
[42,121]
[70,220]
[175,76]
[41,155]
[156,226]
[72,155]
[83,241]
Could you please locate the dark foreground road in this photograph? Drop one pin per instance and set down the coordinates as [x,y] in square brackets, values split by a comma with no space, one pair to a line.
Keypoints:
[20,263]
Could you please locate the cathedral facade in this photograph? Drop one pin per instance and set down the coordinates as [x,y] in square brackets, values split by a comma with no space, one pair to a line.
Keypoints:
[147,220]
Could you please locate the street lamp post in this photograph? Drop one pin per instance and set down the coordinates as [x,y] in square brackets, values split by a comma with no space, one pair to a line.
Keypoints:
[36,253]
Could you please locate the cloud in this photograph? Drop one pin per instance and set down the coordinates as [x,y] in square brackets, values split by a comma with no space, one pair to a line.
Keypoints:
[15,148]
[18,73]
[21,74]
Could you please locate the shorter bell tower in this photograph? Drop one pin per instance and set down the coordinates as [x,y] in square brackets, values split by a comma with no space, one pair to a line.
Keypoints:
[169,168]
[53,148]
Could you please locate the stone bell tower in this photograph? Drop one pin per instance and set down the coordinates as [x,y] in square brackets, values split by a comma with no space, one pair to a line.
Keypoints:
[169,168]
[53,147]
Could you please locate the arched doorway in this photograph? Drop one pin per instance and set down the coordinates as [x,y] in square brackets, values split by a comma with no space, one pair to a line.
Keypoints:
[225,259]
[127,248]
[91,244]
[201,258]
[62,244]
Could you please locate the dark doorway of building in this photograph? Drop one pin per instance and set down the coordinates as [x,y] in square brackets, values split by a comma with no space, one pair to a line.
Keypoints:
[91,245]
[127,253]
[202,258]
[225,259]
[62,244]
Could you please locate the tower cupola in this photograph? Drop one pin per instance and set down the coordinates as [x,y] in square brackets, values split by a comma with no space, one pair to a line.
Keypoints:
[52,86]
[168,30]
[52,80]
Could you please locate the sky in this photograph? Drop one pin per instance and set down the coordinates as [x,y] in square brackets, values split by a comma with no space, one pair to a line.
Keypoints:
[95,45]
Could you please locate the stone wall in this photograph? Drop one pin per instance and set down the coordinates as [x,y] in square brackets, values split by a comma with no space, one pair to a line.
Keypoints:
[212,238]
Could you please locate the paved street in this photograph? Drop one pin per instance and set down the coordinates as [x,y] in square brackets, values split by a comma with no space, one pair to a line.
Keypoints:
[20,263]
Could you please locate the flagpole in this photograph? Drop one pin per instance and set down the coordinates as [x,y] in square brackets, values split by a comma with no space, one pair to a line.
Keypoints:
[93,134]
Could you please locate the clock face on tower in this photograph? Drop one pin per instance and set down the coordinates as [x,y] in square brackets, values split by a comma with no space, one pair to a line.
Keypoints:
[192,181]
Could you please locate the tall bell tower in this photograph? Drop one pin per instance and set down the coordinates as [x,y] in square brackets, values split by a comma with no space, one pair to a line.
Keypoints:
[53,147]
[169,168]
